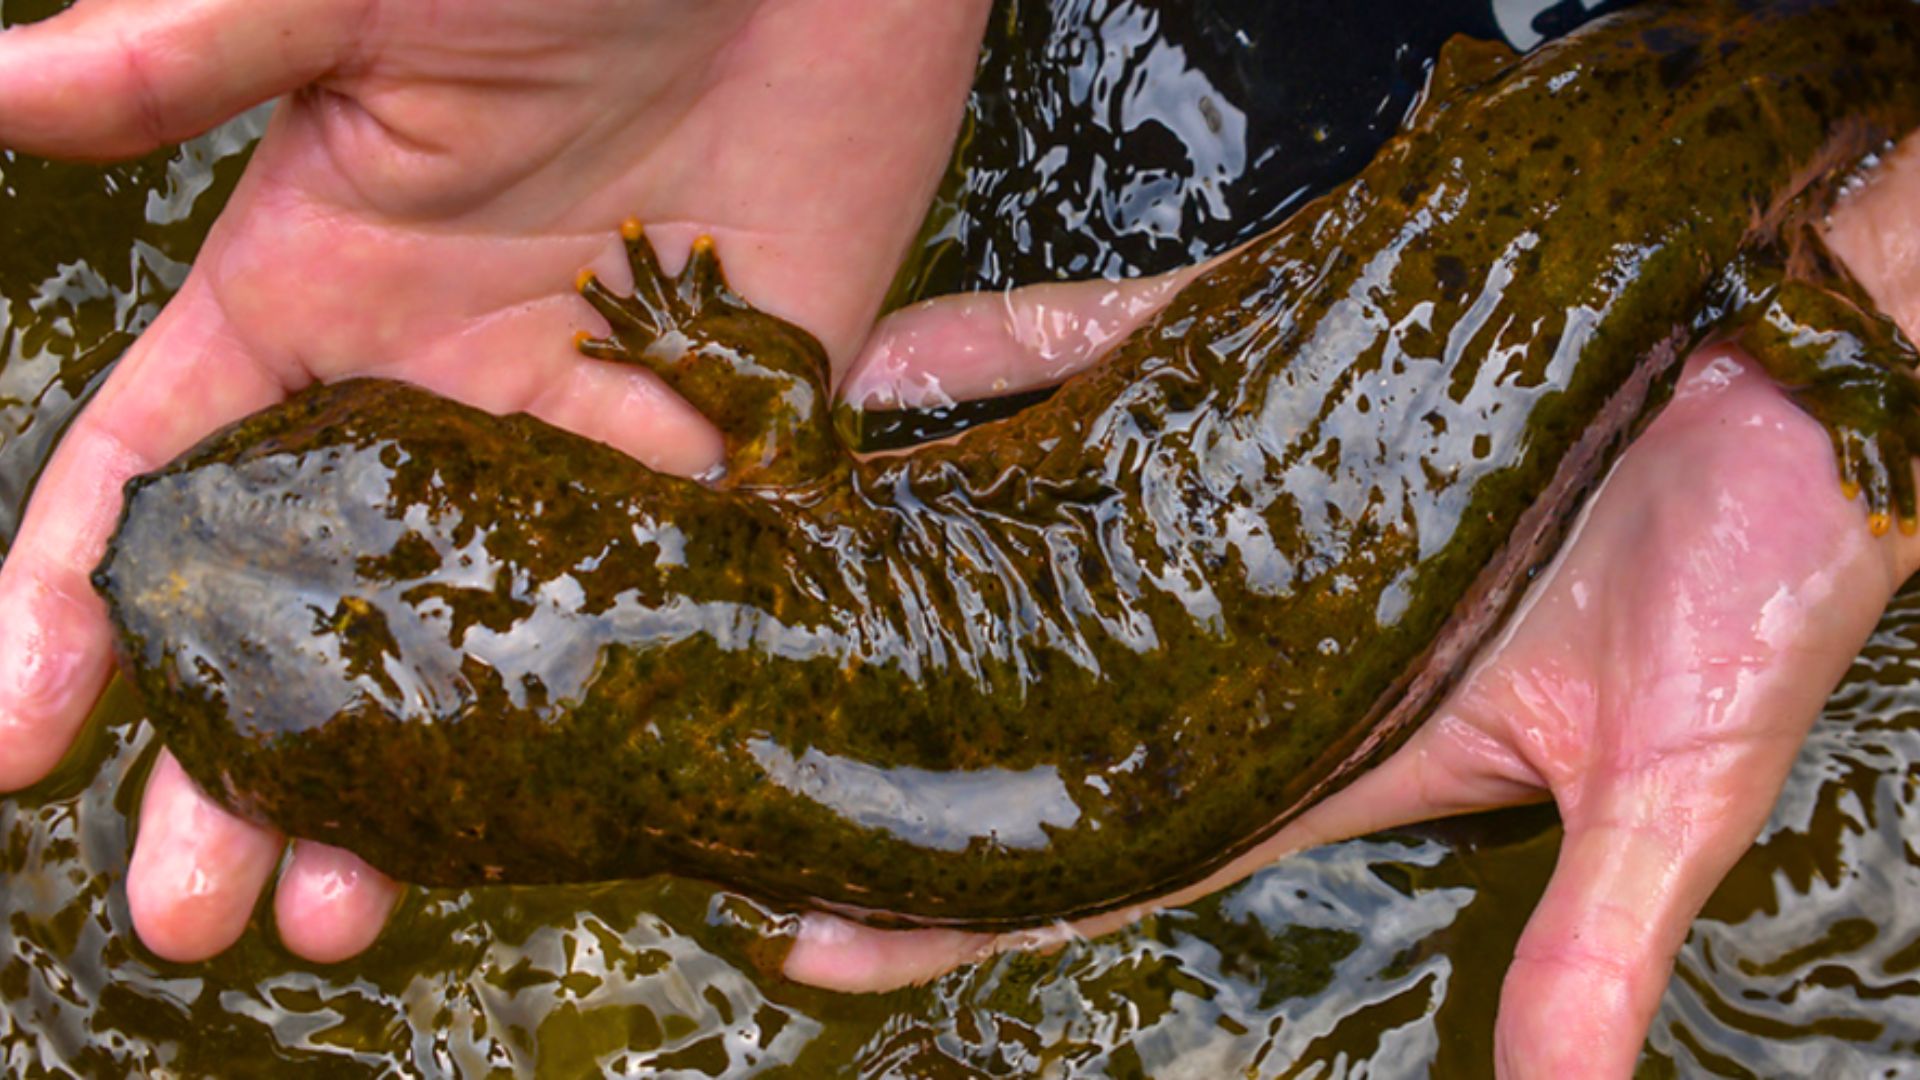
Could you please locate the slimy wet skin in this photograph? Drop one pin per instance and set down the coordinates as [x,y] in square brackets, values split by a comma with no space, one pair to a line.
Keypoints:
[1074,658]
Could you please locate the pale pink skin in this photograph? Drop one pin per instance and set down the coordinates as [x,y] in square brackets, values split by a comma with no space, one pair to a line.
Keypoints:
[420,208]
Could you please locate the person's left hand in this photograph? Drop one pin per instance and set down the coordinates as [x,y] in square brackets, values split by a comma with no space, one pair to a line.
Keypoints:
[1656,684]
[418,209]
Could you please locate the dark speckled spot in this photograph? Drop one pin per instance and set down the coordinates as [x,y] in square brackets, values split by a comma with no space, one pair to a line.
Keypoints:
[1450,273]
[1722,120]
[1679,66]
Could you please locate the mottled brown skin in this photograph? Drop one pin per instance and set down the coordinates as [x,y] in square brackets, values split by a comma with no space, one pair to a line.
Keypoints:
[1074,658]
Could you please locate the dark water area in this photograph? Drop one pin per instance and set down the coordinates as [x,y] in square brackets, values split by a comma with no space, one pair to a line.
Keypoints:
[1123,139]
[1120,138]
[1108,137]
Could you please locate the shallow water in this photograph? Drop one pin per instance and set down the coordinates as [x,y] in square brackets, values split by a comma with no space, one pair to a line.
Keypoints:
[1377,957]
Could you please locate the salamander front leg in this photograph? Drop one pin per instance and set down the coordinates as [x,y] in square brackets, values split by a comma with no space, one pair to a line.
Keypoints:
[760,379]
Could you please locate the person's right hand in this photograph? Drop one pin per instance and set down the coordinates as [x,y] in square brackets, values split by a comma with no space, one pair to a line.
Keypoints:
[418,209]
[1656,683]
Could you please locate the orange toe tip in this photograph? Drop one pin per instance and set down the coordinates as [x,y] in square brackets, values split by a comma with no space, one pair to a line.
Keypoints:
[1909,526]
[703,244]
[1879,523]
[581,337]
[581,280]
[1849,490]
[631,229]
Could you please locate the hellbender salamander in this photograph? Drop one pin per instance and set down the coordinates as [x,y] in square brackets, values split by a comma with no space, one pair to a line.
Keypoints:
[1073,658]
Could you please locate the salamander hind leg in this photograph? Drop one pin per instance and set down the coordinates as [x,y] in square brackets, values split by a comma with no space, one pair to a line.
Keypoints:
[760,379]
[1852,370]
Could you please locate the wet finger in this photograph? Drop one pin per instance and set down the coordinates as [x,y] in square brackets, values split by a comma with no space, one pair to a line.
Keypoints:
[330,905]
[633,411]
[1449,766]
[1597,954]
[958,348]
[55,646]
[183,379]
[197,870]
[115,78]
[835,954]
[1872,231]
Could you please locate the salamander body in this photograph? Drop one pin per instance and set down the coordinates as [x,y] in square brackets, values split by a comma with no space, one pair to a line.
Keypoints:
[1074,658]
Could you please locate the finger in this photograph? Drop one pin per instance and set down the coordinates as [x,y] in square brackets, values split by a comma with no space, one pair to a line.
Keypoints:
[1448,766]
[958,348]
[1597,953]
[182,379]
[330,904]
[196,871]
[114,78]
[834,954]
[1872,230]
[632,411]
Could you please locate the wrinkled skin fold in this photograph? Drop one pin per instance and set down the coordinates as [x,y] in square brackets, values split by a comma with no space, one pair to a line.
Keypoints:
[1072,659]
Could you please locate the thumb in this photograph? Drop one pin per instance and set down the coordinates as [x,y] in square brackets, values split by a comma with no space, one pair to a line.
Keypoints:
[1597,954]
[115,78]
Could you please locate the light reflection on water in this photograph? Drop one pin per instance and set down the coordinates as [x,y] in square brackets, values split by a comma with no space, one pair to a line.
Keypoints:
[1380,955]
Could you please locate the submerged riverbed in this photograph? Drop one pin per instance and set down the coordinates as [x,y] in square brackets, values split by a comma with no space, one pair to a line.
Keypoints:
[1108,137]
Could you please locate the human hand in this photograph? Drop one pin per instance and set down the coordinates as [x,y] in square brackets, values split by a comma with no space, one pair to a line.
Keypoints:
[1657,683]
[418,209]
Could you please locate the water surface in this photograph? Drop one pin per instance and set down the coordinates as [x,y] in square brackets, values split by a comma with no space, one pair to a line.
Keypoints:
[1108,137]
